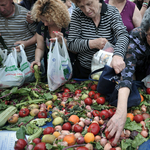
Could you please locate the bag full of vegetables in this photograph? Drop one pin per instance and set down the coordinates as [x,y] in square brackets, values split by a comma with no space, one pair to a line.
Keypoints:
[10,75]
[59,69]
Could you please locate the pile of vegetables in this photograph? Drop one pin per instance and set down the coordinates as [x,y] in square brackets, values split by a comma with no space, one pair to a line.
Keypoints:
[72,117]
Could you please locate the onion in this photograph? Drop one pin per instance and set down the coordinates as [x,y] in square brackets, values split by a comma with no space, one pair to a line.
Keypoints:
[65,132]
[142,123]
[16,115]
[80,140]
[101,122]
[144,133]
[127,133]
[88,107]
[82,119]
[30,147]
[96,118]
[77,135]
[89,115]
[122,134]
[133,134]
[107,146]
[143,108]
[89,146]
[82,103]
[58,128]
[95,122]
[145,116]
[103,141]
[87,122]
[93,101]
[81,123]
[61,137]
[97,138]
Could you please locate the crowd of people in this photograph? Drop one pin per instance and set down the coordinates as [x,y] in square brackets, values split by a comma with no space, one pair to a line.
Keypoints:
[86,26]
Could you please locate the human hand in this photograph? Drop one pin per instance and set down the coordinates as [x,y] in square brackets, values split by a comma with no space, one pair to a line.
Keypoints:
[23,43]
[117,63]
[98,43]
[115,126]
[35,63]
[29,18]
[58,35]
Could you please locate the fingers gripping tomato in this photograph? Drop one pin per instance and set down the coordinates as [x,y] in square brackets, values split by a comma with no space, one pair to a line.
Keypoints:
[24,112]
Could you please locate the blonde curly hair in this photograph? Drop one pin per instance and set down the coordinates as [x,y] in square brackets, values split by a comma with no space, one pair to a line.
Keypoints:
[54,10]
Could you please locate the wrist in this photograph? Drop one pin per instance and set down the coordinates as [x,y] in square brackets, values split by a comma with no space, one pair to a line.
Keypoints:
[91,44]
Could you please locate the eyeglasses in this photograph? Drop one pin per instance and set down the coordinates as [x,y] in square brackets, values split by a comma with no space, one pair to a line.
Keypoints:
[147,34]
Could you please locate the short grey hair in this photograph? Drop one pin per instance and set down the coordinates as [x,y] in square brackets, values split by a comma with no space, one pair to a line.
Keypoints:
[145,25]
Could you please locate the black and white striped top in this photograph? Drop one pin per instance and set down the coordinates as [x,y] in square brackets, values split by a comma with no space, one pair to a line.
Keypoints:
[16,28]
[83,29]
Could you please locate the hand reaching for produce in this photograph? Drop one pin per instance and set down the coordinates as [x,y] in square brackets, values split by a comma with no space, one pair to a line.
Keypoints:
[116,125]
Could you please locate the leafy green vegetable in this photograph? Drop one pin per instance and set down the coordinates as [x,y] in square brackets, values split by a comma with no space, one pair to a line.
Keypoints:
[40,121]
[31,129]
[20,134]
[125,143]
[47,96]
[98,146]
[139,139]
[132,125]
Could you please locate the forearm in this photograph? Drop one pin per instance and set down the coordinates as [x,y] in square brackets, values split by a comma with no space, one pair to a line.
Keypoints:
[123,95]
[39,54]
[31,41]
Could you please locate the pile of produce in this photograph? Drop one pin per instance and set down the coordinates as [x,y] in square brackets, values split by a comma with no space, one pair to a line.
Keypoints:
[72,117]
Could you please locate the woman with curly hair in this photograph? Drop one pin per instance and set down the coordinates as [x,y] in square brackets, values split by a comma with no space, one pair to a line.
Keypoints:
[53,18]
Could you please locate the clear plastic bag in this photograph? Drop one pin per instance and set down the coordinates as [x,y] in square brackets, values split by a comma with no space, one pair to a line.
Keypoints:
[59,69]
[146,81]
[10,73]
[101,58]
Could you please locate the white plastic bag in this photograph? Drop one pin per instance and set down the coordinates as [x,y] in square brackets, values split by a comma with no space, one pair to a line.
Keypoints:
[10,75]
[101,58]
[146,81]
[24,65]
[59,69]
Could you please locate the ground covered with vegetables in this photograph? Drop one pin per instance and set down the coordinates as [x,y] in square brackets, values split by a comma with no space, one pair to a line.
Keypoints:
[78,113]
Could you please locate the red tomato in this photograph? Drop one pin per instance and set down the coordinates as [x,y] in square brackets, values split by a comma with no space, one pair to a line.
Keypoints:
[94,87]
[82,148]
[36,140]
[112,149]
[66,90]
[111,112]
[78,92]
[88,101]
[100,100]
[111,141]
[106,134]
[24,112]
[138,118]
[20,144]
[42,114]
[48,130]
[97,95]
[104,114]
[65,94]
[77,128]
[40,146]
[67,126]
[148,90]
[94,128]
[91,94]
[95,113]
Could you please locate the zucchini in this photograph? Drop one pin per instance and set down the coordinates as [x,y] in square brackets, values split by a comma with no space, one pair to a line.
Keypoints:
[6,114]
[35,135]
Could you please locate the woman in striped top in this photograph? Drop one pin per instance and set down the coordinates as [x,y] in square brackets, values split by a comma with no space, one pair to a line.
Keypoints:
[93,23]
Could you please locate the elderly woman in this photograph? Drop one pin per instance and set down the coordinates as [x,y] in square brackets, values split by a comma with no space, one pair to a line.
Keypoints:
[93,23]
[137,61]
[53,18]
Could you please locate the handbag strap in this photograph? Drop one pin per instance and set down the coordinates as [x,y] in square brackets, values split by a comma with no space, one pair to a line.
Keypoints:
[98,70]
[2,42]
